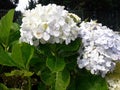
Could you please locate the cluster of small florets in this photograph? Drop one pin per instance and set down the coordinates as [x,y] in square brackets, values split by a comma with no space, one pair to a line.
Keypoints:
[101,48]
[49,24]
[22,5]
[113,84]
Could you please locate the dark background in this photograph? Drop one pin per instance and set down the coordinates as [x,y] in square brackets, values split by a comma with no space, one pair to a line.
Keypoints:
[105,11]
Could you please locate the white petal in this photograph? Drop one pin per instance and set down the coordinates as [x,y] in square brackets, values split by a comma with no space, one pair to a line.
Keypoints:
[46,36]
[56,33]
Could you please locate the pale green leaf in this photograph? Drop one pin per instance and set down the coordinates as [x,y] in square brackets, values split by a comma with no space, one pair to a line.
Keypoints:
[19,73]
[55,64]
[62,80]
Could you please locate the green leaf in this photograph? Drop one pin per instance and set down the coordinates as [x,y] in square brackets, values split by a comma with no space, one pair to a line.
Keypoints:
[38,63]
[5,59]
[92,82]
[72,85]
[22,54]
[70,49]
[62,80]
[5,26]
[15,27]
[41,86]
[3,87]
[71,62]
[55,64]
[67,53]
[14,34]
[73,46]
[47,77]
[23,73]
[44,49]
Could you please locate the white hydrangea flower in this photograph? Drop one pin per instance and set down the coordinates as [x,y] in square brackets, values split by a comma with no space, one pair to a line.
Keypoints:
[13,1]
[102,48]
[23,4]
[49,24]
[113,84]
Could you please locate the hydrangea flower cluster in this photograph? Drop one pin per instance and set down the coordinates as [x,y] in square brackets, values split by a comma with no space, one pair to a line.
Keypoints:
[49,24]
[23,4]
[101,48]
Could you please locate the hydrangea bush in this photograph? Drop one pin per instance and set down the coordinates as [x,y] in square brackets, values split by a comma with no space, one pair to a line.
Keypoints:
[54,50]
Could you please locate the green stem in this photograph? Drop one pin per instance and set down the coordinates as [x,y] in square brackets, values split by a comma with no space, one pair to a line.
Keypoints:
[5,47]
[29,83]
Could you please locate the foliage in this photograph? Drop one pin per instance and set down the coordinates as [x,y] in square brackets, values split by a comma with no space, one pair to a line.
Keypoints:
[47,67]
